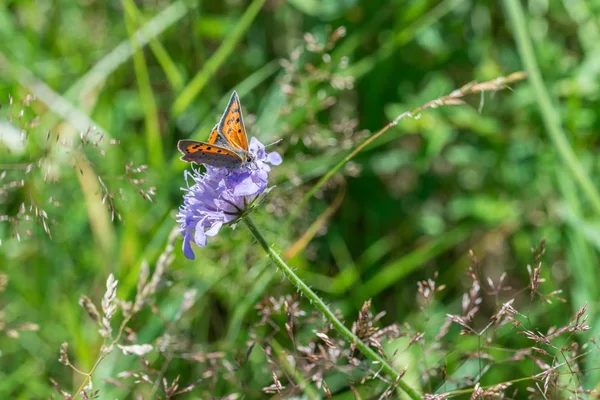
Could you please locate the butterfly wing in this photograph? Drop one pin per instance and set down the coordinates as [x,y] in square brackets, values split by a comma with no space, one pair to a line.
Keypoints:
[231,127]
[227,144]
[209,154]
[218,139]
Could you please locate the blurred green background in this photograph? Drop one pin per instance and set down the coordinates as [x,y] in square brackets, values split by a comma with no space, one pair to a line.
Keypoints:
[321,75]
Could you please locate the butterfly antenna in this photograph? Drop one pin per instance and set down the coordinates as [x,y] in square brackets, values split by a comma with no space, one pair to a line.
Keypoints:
[275,142]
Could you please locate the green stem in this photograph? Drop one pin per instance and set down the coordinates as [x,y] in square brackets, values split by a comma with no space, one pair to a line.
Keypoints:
[326,312]
[550,114]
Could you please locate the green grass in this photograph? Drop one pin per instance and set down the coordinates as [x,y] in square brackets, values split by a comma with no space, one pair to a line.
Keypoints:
[452,198]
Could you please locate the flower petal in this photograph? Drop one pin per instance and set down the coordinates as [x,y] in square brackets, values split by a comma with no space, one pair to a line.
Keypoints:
[214,229]
[274,158]
[187,247]
[246,188]
[255,146]
[199,236]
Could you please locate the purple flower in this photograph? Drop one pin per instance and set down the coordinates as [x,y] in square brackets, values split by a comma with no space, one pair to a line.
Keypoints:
[220,195]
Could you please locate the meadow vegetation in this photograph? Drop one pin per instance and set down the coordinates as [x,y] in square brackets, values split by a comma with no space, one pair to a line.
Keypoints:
[432,231]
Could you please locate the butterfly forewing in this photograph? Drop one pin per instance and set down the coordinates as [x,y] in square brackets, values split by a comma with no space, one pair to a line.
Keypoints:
[231,127]
[209,154]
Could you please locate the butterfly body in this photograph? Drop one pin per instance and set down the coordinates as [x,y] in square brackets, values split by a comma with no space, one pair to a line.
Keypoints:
[227,145]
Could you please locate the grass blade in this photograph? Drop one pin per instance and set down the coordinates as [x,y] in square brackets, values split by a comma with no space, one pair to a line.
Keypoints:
[401,38]
[153,139]
[193,89]
[548,111]
[396,270]
[125,50]
[171,71]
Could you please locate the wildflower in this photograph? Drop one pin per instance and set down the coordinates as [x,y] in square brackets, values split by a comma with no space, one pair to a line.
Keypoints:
[221,195]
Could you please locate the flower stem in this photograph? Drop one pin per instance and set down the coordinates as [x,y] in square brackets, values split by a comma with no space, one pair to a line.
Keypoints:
[327,313]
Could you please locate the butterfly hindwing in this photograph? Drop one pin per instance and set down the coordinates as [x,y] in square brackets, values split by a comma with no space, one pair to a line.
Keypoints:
[231,127]
[218,139]
[209,154]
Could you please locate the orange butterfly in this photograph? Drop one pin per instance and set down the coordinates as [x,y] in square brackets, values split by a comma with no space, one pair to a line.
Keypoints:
[227,145]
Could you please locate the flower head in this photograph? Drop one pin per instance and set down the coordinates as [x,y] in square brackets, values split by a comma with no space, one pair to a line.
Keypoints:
[220,195]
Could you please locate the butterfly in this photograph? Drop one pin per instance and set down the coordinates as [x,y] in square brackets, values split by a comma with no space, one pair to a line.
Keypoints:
[227,145]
